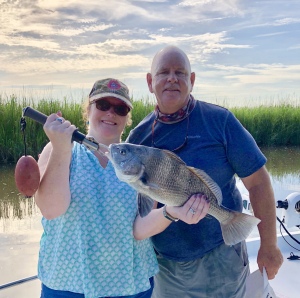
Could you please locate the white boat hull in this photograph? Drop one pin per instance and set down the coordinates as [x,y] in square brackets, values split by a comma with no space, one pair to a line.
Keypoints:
[286,282]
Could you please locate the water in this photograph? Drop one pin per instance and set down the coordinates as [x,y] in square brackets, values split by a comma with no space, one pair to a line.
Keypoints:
[284,168]
[20,226]
[20,231]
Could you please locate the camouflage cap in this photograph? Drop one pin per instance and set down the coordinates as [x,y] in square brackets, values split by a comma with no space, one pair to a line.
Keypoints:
[110,87]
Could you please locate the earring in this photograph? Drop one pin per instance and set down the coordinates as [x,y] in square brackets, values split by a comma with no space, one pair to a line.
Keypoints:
[87,122]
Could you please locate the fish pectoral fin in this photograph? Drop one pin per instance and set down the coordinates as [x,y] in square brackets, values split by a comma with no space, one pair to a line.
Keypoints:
[145,204]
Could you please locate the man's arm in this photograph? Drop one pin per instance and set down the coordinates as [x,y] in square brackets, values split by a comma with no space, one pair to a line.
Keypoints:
[263,203]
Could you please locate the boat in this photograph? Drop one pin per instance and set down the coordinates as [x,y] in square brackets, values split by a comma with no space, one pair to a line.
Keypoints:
[285,284]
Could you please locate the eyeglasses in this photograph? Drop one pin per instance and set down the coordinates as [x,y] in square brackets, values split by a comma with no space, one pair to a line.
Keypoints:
[104,105]
[175,140]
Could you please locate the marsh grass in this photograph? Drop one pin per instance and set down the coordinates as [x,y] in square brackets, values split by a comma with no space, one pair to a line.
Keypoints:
[269,125]
[12,137]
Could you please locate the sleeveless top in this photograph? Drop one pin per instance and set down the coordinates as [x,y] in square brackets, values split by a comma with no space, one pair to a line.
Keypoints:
[91,249]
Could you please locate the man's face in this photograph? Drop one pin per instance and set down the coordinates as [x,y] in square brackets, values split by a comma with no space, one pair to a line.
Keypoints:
[170,80]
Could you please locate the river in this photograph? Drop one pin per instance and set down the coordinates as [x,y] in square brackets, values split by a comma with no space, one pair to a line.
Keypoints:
[20,219]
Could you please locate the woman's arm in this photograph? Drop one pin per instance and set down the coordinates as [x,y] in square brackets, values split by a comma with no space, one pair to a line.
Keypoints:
[53,195]
[155,222]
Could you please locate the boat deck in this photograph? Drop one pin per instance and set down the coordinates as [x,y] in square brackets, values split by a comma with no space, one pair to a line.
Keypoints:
[286,282]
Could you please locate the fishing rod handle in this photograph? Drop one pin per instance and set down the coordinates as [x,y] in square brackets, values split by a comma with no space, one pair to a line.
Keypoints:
[41,118]
[34,115]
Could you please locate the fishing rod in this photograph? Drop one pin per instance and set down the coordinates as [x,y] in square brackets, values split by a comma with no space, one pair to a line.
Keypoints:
[77,136]
[17,282]
[27,174]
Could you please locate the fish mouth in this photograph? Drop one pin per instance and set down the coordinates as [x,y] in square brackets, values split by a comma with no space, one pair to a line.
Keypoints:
[114,156]
[108,155]
[119,164]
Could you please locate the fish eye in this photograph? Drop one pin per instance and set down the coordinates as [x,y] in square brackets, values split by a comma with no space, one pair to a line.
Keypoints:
[122,151]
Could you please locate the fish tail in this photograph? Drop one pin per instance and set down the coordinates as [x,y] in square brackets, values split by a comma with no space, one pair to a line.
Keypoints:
[238,227]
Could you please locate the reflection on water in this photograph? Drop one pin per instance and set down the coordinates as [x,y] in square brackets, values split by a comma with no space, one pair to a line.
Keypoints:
[20,232]
[284,167]
[16,212]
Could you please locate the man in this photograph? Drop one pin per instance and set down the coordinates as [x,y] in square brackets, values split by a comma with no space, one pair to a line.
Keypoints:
[193,259]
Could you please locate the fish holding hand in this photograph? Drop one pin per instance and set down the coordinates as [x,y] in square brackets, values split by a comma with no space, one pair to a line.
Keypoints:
[160,175]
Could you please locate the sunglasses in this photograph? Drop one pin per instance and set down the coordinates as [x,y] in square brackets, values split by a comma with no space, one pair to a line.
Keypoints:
[173,146]
[104,105]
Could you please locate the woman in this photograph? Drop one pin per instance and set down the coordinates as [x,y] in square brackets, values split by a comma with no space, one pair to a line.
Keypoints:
[87,248]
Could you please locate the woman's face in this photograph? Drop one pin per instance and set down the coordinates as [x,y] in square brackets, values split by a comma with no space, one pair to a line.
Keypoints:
[106,126]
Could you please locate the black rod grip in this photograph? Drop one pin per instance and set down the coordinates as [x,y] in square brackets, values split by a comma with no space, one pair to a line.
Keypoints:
[78,137]
[41,118]
[35,115]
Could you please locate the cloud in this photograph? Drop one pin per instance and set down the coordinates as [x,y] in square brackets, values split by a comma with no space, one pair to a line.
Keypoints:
[296,47]
[231,44]
[286,21]
[230,7]
[271,34]
[268,74]
[110,10]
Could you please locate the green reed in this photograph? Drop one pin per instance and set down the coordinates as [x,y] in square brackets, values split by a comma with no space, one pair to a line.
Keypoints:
[269,125]
[11,136]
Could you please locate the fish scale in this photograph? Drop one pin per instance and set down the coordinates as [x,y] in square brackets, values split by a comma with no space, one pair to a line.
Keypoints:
[176,194]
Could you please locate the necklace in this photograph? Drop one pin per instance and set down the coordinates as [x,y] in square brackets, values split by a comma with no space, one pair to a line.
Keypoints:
[181,115]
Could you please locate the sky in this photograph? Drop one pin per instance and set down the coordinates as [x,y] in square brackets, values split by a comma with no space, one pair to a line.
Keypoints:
[242,52]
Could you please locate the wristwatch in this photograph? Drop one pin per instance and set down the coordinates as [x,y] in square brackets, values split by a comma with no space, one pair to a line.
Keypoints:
[168,216]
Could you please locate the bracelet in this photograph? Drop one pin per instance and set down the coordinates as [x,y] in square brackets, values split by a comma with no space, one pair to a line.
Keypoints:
[168,216]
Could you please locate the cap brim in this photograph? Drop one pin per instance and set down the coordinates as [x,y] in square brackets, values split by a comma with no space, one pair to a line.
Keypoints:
[102,95]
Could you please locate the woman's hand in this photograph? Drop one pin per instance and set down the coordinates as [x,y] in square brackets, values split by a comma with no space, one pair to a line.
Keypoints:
[59,132]
[195,208]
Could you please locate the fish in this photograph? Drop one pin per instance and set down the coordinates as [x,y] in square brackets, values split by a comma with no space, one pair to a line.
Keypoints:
[162,176]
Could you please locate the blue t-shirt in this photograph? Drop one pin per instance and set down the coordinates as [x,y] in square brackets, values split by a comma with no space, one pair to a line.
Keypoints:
[211,139]
[91,249]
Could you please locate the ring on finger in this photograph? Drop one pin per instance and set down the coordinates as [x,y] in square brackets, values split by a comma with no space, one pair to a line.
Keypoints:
[60,119]
[193,211]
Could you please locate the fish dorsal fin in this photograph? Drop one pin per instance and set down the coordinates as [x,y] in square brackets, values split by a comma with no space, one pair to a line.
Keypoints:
[145,204]
[173,155]
[211,184]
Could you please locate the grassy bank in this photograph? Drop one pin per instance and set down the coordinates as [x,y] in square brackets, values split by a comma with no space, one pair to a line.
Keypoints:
[270,126]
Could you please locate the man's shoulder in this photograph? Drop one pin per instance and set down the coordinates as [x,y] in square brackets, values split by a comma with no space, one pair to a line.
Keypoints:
[149,118]
[211,110]
[141,127]
[211,106]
